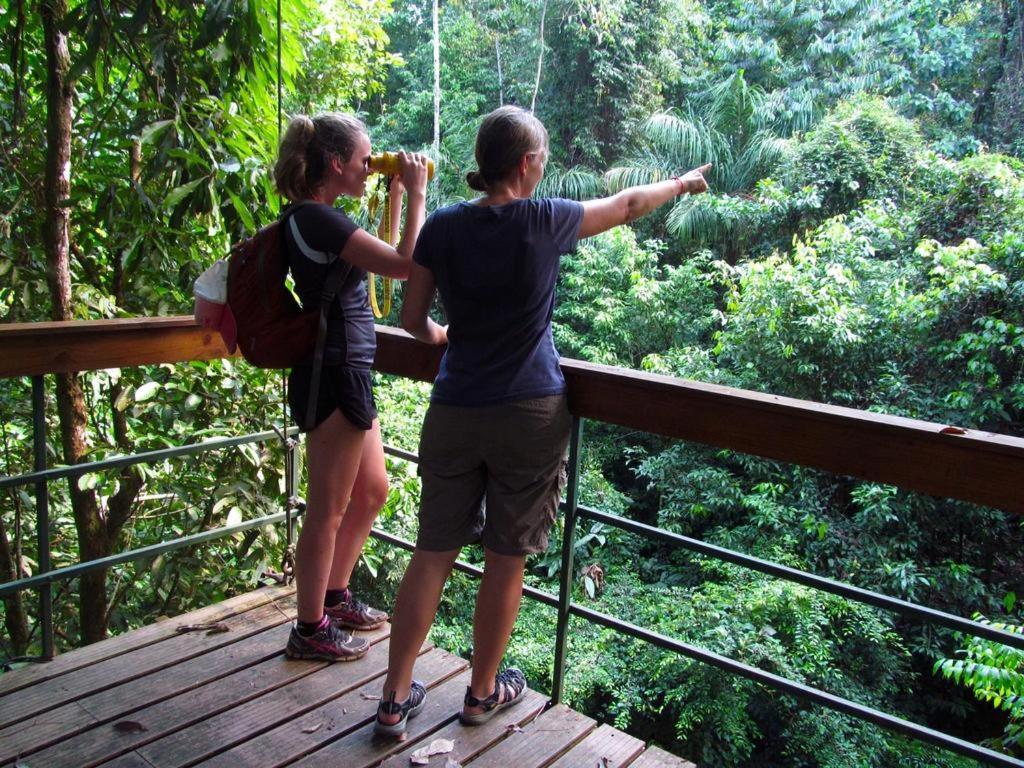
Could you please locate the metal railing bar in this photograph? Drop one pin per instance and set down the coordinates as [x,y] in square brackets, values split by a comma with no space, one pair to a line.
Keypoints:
[532,592]
[786,573]
[823,698]
[402,454]
[117,462]
[72,571]
[876,599]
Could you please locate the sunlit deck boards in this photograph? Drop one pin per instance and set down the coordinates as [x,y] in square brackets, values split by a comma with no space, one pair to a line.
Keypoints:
[158,698]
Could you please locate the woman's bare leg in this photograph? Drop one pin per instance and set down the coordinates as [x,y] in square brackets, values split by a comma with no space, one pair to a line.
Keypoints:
[497,606]
[415,607]
[333,454]
[369,492]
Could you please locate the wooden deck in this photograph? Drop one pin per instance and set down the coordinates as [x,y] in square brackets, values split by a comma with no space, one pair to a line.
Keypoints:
[160,698]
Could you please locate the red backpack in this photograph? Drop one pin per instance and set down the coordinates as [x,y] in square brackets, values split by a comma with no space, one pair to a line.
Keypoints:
[270,327]
[261,316]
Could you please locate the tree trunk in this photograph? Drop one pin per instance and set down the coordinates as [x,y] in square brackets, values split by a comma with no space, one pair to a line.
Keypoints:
[92,539]
[18,66]
[437,82]
[15,619]
[501,80]
[540,57]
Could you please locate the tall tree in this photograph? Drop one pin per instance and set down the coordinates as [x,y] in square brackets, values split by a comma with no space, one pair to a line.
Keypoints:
[540,56]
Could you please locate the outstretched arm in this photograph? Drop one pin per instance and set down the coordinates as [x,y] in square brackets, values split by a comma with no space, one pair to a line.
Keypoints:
[632,203]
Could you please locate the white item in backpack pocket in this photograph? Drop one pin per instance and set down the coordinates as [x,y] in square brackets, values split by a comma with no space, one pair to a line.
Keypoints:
[211,294]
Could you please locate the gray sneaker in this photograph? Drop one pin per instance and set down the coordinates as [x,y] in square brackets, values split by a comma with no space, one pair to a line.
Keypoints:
[329,642]
[353,613]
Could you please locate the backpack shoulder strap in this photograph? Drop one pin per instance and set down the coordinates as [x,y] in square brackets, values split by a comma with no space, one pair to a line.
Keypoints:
[339,270]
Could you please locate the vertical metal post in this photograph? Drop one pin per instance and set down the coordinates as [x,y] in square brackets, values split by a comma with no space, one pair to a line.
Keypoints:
[42,511]
[291,474]
[568,550]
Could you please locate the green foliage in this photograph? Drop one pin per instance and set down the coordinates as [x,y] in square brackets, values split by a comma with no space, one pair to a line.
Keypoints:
[616,304]
[808,56]
[731,127]
[995,673]
[862,151]
[982,198]
[715,718]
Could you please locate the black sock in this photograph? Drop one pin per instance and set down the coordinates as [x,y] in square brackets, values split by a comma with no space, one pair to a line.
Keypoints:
[335,596]
[307,628]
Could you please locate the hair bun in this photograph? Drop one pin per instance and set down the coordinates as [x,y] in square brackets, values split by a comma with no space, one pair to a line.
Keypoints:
[475,180]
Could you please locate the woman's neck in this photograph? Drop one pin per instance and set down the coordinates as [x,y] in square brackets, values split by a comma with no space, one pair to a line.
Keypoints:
[501,195]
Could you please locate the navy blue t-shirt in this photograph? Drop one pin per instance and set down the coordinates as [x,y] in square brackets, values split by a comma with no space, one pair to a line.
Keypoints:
[496,268]
[316,234]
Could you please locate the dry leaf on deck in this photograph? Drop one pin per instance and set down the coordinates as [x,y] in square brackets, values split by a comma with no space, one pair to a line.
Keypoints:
[210,629]
[129,726]
[436,747]
[313,728]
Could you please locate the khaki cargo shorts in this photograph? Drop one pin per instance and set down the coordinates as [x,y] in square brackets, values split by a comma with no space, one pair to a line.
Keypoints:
[492,474]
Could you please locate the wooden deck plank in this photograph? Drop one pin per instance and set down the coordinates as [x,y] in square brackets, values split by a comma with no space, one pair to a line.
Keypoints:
[471,742]
[232,700]
[332,695]
[43,730]
[540,742]
[152,633]
[606,747]
[136,663]
[105,742]
[65,721]
[131,760]
[655,757]
[363,748]
[337,722]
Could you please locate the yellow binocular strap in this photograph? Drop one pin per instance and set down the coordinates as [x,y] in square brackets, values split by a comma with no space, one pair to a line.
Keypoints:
[385,231]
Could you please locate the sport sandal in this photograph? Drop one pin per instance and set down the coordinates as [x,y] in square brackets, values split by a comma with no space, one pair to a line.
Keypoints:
[511,681]
[408,708]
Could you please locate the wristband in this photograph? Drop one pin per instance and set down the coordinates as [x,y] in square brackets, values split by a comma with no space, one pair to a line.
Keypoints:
[682,185]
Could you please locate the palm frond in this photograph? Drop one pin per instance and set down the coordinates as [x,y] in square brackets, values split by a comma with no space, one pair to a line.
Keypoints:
[576,183]
[681,141]
[735,105]
[624,176]
[697,219]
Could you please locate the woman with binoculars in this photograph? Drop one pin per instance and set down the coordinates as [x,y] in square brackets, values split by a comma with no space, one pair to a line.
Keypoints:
[321,159]
[495,438]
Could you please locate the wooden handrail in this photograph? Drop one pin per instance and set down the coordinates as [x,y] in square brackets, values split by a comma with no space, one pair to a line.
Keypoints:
[980,467]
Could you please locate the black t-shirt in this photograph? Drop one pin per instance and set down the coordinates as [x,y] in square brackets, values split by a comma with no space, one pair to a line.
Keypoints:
[315,234]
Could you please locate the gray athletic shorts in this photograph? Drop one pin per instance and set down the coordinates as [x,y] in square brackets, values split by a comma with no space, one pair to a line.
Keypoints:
[492,474]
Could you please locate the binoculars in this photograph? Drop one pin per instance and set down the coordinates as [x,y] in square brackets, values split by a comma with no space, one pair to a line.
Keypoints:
[386,163]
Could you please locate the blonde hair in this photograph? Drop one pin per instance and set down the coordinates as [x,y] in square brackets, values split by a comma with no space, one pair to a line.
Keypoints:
[504,136]
[306,150]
